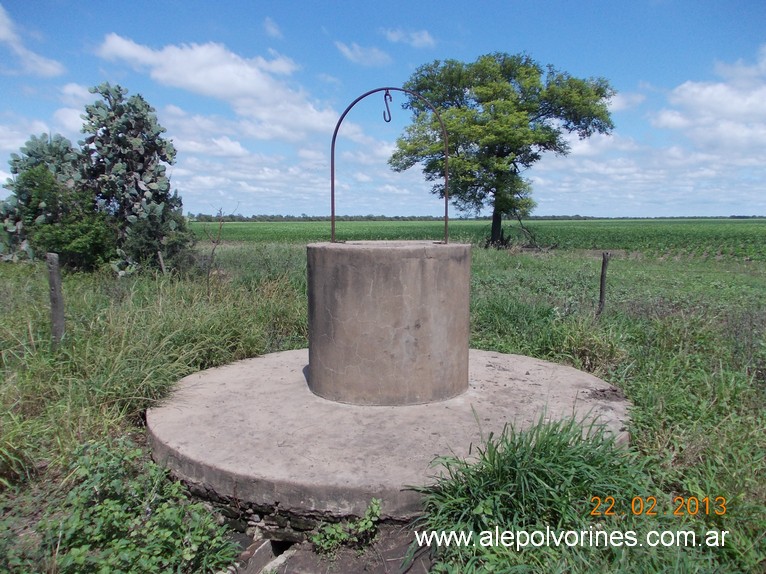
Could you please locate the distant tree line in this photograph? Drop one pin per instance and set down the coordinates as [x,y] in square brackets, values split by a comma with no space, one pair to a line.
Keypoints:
[244,218]
[303,217]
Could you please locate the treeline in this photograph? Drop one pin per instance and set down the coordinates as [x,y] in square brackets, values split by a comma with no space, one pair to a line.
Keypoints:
[252,218]
[303,217]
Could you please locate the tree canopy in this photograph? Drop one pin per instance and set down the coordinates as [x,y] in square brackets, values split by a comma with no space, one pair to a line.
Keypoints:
[110,199]
[502,113]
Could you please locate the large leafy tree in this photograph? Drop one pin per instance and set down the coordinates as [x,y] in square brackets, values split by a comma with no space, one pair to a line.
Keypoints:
[502,113]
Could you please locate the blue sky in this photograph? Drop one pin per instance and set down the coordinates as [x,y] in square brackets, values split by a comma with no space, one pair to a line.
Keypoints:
[250,92]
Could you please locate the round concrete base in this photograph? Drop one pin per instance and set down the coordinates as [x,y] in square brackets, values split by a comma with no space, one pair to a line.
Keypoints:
[253,431]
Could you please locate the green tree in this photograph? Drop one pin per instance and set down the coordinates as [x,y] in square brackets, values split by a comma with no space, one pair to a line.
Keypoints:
[61,219]
[111,197]
[125,168]
[53,155]
[501,112]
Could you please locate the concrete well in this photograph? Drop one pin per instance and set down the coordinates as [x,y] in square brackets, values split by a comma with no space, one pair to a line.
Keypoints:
[388,321]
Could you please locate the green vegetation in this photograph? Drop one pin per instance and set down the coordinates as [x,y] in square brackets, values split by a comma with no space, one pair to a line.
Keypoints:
[121,513]
[352,533]
[502,113]
[110,200]
[544,478]
[682,238]
[683,335]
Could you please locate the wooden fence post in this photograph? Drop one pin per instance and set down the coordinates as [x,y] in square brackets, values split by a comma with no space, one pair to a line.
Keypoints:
[602,291]
[162,263]
[57,297]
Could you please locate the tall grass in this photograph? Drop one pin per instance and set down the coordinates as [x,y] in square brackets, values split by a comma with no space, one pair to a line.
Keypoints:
[127,342]
[545,478]
[684,339]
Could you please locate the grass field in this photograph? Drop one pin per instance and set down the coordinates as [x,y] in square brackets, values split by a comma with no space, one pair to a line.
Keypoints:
[727,238]
[683,335]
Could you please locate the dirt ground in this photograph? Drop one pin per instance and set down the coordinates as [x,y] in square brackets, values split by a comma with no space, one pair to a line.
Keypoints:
[386,555]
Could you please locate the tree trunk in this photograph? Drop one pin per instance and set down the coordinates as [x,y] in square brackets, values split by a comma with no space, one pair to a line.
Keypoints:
[496,236]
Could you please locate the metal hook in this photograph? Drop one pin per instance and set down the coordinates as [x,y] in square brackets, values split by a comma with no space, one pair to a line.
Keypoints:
[387,113]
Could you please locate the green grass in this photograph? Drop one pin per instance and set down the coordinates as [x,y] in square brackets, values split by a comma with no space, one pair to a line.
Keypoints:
[743,239]
[683,335]
[685,340]
[545,477]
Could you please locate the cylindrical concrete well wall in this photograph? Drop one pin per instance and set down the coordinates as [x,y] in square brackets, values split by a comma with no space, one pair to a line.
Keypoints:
[388,321]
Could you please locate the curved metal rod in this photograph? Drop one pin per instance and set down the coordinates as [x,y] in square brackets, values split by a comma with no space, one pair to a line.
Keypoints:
[446,153]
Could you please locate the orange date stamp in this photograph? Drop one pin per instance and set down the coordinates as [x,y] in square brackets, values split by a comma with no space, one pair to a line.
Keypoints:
[651,506]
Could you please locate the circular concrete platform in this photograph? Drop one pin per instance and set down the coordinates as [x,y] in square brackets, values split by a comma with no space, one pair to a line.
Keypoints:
[253,430]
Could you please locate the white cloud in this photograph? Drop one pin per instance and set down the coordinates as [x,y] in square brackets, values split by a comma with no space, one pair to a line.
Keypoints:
[225,146]
[712,160]
[248,185]
[31,62]
[272,30]
[363,56]
[625,101]
[16,134]
[727,117]
[418,39]
[741,73]
[76,95]
[68,121]
[599,144]
[671,119]
[273,109]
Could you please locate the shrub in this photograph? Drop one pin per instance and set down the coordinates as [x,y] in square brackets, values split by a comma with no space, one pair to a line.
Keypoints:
[81,243]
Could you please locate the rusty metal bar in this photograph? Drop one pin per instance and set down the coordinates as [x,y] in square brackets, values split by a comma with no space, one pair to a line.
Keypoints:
[387,117]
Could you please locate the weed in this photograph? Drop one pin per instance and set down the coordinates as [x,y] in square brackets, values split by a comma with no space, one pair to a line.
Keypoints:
[351,533]
[121,513]
[546,477]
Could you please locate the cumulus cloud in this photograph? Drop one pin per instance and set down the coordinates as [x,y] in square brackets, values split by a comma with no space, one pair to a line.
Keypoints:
[69,121]
[418,39]
[742,73]
[31,63]
[727,116]
[252,86]
[625,101]
[363,56]
[711,159]
[76,95]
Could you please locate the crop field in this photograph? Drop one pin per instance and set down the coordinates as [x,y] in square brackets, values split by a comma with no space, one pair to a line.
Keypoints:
[729,238]
[682,335]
